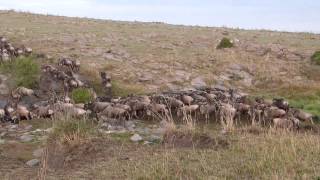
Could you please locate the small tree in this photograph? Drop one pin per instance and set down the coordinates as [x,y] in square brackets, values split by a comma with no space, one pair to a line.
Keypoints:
[225,43]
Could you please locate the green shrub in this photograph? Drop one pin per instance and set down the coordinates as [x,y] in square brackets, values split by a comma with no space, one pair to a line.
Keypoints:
[316,57]
[24,70]
[225,43]
[81,95]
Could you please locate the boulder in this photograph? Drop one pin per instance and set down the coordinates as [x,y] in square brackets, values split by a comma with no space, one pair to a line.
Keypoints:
[33,162]
[136,138]
[198,82]
[26,138]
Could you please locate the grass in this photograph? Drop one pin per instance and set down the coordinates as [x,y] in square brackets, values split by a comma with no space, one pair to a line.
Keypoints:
[24,70]
[190,48]
[67,130]
[305,97]
[225,43]
[81,95]
[266,156]
[122,90]
[316,57]
[263,156]
[310,104]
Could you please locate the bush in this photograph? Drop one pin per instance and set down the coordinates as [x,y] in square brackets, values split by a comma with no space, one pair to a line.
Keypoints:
[225,43]
[81,95]
[24,70]
[316,57]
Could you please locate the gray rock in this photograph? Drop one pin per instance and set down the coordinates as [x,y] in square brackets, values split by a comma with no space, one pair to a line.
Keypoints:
[198,82]
[4,88]
[13,126]
[38,153]
[49,130]
[145,78]
[3,134]
[159,131]
[130,124]
[146,142]
[33,162]
[136,138]
[26,138]
[28,127]
[153,138]
[2,141]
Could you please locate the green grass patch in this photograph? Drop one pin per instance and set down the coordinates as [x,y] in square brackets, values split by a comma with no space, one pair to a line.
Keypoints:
[309,105]
[306,98]
[316,57]
[123,90]
[81,95]
[24,70]
[225,43]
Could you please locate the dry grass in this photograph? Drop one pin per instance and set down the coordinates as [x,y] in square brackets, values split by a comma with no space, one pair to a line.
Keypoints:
[265,156]
[160,49]
[71,132]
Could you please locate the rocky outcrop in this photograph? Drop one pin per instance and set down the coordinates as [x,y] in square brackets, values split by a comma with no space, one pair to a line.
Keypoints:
[275,50]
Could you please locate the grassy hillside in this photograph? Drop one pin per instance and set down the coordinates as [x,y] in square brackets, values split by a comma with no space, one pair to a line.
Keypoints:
[153,56]
[148,57]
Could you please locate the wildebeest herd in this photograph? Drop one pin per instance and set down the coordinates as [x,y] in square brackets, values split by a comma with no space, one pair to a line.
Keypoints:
[207,103]
[9,52]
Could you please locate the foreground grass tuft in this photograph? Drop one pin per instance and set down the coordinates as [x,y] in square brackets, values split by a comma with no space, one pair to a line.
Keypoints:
[67,130]
[24,70]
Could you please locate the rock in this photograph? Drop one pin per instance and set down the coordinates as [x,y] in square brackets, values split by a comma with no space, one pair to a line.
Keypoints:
[236,73]
[145,78]
[38,153]
[146,142]
[3,134]
[159,131]
[28,127]
[4,88]
[13,126]
[172,86]
[130,124]
[154,138]
[49,130]
[2,141]
[181,76]
[198,82]
[136,138]
[143,130]
[33,162]
[26,138]
[220,87]
[294,57]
